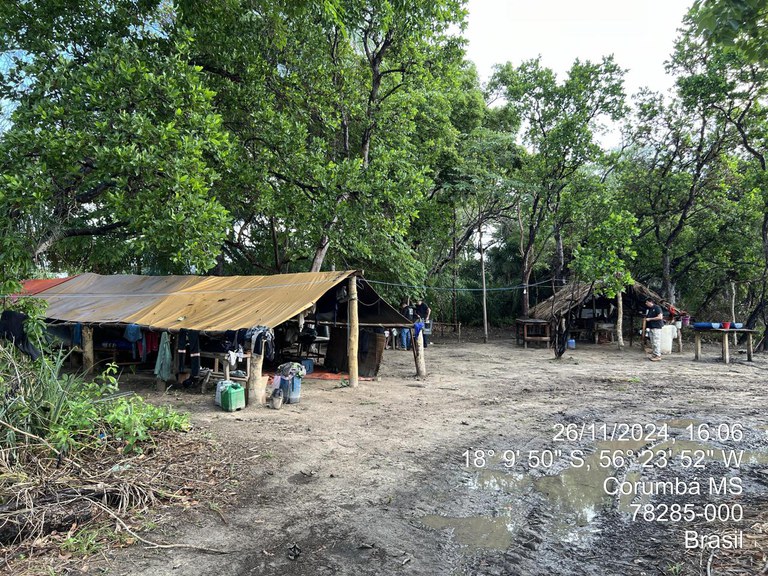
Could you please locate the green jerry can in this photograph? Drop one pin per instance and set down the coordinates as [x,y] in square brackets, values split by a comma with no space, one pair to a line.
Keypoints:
[233,398]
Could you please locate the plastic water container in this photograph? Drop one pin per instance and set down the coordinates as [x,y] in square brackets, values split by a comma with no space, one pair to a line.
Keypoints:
[309,365]
[668,335]
[571,344]
[233,398]
[291,390]
[221,385]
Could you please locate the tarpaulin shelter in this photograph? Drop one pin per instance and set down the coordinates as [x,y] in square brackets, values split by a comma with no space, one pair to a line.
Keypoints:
[216,304]
[205,303]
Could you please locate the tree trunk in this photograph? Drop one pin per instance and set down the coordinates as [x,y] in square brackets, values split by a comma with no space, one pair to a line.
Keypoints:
[559,267]
[620,319]
[527,270]
[320,252]
[668,288]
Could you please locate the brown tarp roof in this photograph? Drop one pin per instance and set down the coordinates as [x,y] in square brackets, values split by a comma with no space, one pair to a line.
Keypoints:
[205,303]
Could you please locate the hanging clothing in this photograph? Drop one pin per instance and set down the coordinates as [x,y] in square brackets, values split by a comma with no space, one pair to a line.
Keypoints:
[153,341]
[133,335]
[164,358]
[189,338]
[12,328]
[77,335]
[260,340]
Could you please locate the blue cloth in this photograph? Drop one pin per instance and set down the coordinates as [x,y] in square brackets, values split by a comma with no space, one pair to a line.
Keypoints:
[77,334]
[132,333]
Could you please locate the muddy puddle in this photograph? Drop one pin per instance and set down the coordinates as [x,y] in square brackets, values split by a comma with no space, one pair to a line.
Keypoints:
[578,487]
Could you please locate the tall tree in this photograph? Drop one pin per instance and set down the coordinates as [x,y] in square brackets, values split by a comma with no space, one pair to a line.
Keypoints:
[338,122]
[112,137]
[559,123]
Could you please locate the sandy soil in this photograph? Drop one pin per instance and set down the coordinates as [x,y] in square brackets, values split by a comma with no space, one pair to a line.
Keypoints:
[496,464]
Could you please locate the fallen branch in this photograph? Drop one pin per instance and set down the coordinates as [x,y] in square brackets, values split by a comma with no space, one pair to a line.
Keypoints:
[155,544]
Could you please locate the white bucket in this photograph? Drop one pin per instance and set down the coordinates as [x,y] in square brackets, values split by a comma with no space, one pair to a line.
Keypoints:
[221,385]
[668,335]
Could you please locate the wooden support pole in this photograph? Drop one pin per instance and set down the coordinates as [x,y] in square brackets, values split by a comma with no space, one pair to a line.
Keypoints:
[482,273]
[354,332]
[620,319]
[696,346]
[418,347]
[88,356]
[256,389]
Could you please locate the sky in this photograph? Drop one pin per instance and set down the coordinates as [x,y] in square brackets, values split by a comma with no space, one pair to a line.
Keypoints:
[639,34]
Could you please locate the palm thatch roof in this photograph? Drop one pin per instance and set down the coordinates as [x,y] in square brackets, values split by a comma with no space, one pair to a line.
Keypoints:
[575,294]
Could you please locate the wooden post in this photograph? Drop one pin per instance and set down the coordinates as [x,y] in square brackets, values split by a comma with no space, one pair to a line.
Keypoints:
[726,351]
[749,346]
[88,357]
[421,367]
[620,319]
[354,332]
[482,273]
[256,389]
[733,313]
[696,346]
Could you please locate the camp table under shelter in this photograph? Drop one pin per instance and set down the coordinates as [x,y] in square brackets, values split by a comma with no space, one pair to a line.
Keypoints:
[591,315]
[216,304]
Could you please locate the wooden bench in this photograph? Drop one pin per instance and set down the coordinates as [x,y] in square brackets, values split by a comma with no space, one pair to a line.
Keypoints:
[532,330]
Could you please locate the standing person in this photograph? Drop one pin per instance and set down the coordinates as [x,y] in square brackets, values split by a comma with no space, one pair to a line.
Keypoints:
[422,311]
[654,320]
[405,332]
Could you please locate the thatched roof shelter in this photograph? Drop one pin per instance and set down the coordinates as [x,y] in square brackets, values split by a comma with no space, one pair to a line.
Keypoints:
[574,295]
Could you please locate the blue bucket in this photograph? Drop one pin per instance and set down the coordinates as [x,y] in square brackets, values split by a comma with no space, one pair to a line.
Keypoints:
[291,390]
[571,344]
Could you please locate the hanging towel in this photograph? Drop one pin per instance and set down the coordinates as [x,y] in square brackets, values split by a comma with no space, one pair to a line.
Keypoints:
[164,359]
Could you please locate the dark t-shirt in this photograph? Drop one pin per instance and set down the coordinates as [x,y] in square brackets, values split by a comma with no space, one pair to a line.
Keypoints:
[652,312]
[421,310]
[407,311]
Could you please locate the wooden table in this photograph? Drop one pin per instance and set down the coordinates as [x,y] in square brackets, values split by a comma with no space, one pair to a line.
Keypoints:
[605,328]
[221,357]
[532,330]
[725,333]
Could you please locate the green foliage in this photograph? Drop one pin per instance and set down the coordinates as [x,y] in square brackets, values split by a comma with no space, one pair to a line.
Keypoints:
[606,253]
[734,23]
[70,412]
[120,146]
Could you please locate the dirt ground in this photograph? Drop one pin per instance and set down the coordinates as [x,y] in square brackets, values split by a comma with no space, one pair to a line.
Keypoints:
[503,461]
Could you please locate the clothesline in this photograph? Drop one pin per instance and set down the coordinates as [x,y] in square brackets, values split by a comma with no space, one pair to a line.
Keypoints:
[449,289]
